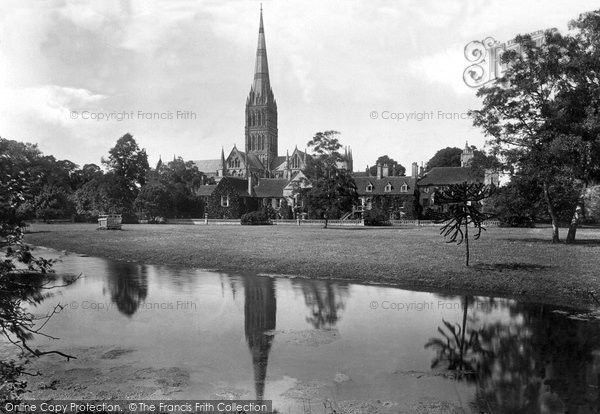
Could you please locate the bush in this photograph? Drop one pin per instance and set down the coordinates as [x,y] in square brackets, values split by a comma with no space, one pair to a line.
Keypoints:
[376,217]
[255,218]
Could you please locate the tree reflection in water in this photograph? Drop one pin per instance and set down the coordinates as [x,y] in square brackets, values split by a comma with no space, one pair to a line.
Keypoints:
[460,350]
[324,299]
[538,362]
[128,285]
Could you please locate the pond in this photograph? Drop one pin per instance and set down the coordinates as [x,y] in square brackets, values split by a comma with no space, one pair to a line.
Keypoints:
[142,331]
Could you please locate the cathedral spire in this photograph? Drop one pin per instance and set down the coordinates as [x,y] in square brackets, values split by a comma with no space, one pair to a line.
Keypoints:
[261,84]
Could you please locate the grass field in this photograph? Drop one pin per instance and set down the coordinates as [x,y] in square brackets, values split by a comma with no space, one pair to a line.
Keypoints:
[518,263]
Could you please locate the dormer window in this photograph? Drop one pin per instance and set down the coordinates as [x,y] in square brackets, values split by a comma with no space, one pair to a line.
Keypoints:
[369,188]
[404,188]
[388,188]
[225,201]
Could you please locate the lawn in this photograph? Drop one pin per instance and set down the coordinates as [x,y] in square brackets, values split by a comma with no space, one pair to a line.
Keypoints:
[518,263]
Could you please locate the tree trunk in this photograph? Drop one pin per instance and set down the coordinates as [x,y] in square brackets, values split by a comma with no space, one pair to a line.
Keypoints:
[467,239]
[574,223]
[552,213]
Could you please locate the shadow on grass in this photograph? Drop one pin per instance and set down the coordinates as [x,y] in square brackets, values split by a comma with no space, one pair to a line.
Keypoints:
[37,232]
[510,266]
[581,242]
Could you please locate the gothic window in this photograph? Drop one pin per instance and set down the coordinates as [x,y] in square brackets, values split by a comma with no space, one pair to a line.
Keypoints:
[259,118]
[262,142]
[296,162]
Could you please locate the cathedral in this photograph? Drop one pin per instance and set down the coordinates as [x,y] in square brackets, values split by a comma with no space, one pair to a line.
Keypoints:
[260,176]
[260,157]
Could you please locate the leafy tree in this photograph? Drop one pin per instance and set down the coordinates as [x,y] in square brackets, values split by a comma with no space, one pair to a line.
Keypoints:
[331,189]
[447,157]
[128,161]
[543,115]
[20,290]
[53,202]
[395,168]
[154,200]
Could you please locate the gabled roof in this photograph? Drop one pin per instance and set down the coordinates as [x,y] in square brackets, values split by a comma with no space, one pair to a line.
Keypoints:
[206,190]
[439,176]
[278,163]
[270,187]
[208,166]
[380,184]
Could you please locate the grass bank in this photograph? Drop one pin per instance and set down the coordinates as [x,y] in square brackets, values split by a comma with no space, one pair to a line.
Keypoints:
[518,263]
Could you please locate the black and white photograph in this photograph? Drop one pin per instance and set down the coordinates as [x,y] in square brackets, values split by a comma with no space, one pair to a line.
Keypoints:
[300,207]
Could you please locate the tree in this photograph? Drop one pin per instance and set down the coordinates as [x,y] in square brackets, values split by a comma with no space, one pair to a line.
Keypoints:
[153,199]
[331,189]
[53,202]
[543,115]
[464,209]
[447,157]
[23,277]
[127,160]
[395,168]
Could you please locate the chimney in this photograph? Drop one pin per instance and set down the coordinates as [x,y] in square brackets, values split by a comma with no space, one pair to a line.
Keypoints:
[386,170]
[421,170]
[379,172]
[415,170]
[368,171]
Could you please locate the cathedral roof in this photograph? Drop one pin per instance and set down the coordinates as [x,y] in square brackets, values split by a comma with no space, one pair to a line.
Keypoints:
[208,166]
[450,175]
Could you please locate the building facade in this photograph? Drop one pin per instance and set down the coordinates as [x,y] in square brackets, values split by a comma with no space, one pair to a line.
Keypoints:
[258,176]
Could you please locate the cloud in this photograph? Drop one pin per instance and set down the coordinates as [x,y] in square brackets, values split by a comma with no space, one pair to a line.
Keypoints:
[47,103]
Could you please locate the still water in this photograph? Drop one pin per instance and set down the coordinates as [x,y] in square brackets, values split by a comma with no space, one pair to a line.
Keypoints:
[156,331]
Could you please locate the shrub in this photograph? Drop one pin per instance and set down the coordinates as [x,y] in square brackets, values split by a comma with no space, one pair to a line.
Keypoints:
[376,217]
[255,218]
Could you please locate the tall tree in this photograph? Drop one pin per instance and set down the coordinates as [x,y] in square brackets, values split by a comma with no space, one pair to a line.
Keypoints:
[331,189]
[446,157]
[395,168]
[543,115]
[127,160]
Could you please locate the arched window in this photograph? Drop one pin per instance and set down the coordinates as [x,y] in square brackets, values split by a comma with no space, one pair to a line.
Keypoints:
[295,162]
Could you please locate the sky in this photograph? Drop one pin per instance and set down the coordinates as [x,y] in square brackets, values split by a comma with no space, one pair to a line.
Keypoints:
[77,75]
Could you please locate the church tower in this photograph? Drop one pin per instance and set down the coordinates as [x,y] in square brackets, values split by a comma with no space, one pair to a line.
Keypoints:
[261,108]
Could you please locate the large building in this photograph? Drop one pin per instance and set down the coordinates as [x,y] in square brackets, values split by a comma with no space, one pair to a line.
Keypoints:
[260,176]
[260,157]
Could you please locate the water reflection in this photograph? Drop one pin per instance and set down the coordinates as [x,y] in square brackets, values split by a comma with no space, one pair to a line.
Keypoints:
[501,355]
[537,362]
[128,285]
[324,300]
[260,313]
